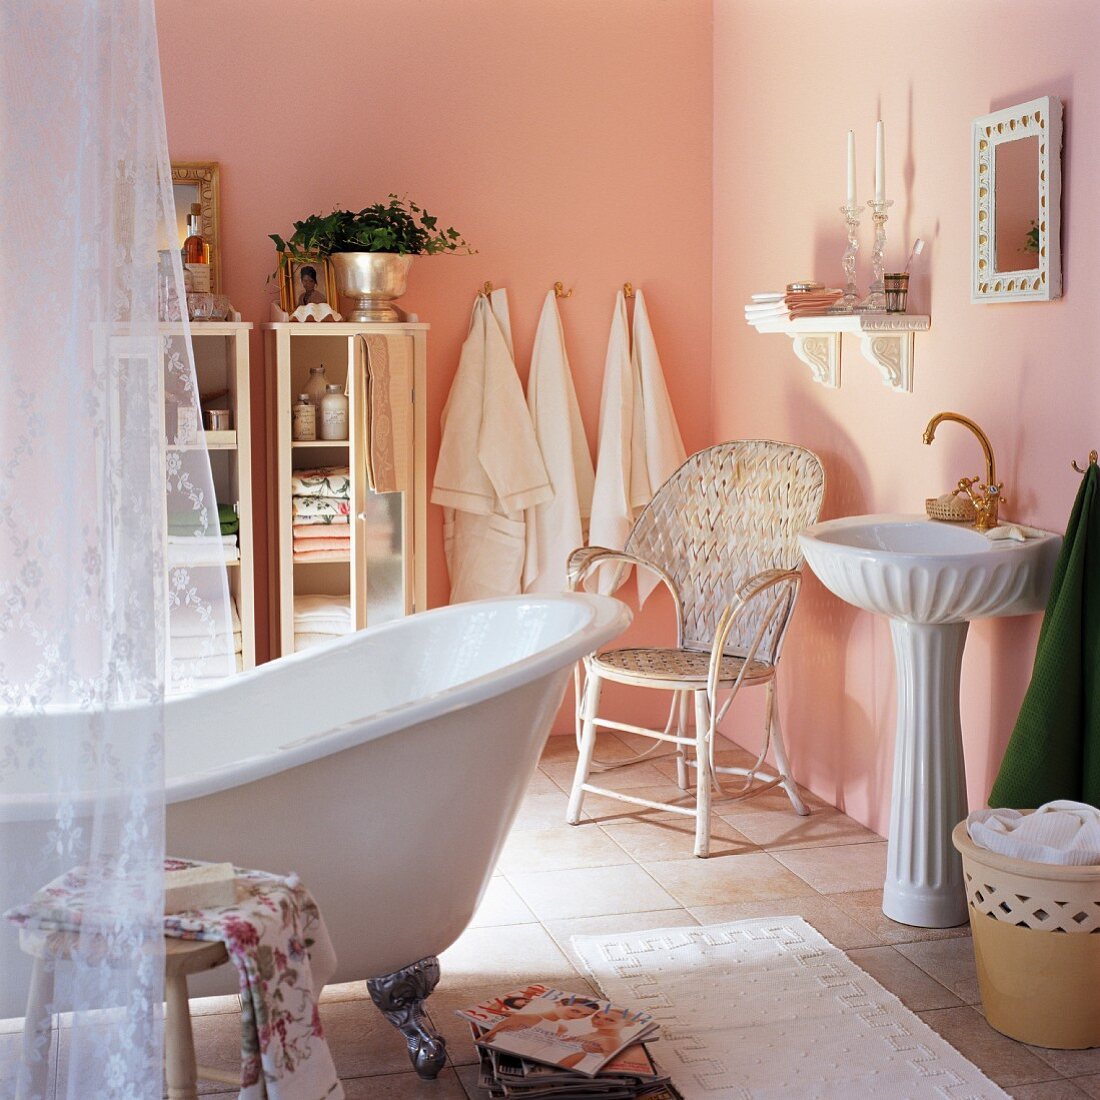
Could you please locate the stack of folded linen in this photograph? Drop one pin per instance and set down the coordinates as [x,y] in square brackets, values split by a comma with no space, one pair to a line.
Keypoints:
[319,619]
[810,299]
[186,546]
[200,653]
[321,511]
[767,307]
[799,300]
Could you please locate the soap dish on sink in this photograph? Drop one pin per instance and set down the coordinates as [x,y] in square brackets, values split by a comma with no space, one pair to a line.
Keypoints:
[951,508]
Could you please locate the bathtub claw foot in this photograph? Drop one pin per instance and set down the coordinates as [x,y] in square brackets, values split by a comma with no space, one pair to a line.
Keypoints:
[400,998]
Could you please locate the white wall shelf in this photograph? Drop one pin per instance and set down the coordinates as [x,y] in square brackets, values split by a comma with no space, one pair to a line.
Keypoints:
[886,340]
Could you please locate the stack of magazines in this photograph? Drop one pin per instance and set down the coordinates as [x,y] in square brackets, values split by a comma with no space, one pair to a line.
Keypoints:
[540,1043]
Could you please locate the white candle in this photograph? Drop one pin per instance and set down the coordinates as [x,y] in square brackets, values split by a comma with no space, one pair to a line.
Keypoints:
[880,164]
[851,168]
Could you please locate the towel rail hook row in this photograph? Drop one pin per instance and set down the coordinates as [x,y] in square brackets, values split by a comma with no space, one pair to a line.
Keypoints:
[1092,462]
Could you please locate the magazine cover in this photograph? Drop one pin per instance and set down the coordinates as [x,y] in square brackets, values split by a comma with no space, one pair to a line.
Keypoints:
[492,1011]
[567,1030]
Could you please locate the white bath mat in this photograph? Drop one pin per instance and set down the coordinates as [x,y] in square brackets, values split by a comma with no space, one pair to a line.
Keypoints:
[768,1009]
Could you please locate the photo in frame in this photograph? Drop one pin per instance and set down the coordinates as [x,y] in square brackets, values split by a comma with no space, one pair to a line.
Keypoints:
[306,281]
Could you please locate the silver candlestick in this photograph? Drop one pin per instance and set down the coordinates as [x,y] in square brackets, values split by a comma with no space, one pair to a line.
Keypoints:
[875,302]
[847,303]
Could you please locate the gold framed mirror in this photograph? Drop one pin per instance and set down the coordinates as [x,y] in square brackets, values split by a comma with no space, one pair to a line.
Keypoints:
[198,182]
[1017,203]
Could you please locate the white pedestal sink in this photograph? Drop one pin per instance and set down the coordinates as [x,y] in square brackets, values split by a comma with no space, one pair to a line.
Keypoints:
[931,579]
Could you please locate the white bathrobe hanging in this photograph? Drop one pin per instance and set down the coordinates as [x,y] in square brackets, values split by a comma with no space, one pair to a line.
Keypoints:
[556,527]
[490,468]
[639,443]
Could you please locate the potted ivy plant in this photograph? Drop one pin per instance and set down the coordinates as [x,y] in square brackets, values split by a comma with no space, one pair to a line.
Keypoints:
[371,250]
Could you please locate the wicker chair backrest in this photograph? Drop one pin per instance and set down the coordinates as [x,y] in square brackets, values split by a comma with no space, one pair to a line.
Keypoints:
[728,513]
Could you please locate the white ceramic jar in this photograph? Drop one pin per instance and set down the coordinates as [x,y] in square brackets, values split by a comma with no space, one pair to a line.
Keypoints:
[334,413]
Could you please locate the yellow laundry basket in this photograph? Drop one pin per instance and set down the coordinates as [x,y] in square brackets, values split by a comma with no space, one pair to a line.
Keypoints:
[1036,929]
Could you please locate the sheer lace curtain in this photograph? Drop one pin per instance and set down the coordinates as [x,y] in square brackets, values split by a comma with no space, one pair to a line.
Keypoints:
[90,385]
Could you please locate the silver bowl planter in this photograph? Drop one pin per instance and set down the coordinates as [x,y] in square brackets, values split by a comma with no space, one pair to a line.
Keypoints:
[372,280]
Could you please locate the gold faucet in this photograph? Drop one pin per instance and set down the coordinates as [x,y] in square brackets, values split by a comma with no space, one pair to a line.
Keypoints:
[986,498]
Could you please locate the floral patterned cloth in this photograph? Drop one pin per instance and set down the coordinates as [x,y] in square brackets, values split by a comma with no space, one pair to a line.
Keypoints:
[327,481]
[325,507]
[277,940]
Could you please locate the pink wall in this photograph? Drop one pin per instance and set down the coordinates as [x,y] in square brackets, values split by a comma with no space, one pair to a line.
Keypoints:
[565,140]
[790,79]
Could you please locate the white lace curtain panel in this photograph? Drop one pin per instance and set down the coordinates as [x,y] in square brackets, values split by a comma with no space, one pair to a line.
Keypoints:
[89,388]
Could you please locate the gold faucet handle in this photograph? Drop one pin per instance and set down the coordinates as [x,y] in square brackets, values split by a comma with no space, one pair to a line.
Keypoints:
[966,485]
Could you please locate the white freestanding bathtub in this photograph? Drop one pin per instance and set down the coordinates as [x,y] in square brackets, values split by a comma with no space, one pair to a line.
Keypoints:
[384,768]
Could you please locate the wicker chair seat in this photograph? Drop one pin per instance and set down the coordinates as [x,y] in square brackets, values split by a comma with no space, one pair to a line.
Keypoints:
[686,666]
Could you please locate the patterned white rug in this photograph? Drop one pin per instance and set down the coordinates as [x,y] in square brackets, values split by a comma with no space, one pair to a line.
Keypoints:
[768,1009]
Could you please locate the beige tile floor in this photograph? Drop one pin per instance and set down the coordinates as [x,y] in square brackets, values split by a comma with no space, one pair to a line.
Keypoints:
[623,871]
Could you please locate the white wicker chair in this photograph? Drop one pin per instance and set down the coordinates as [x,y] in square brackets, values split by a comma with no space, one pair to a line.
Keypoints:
[722,534]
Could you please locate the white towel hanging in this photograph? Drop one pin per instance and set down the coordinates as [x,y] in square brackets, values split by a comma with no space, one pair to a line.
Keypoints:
[556,527]
[662,446]
[612,514]
[490,468]
[640,445]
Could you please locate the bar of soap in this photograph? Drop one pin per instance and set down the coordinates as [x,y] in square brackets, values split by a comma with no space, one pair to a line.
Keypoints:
[208,886]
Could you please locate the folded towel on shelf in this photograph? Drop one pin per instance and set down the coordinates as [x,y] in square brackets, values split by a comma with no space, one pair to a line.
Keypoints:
[1062,832]
[318,506]
[326,481]
[205,668]
[208,646]
[188,621]
[188,540]
[323,615]
[322,555]
[343,544]
[202,552]
[187,523]
[306,640]
[321,530]
[319,521]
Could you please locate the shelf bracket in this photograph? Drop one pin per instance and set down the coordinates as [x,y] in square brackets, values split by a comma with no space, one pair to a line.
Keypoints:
[888,343]
[820,351]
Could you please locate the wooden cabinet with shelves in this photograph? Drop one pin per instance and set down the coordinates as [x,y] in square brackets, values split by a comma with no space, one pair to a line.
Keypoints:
[222,373]
[381,576]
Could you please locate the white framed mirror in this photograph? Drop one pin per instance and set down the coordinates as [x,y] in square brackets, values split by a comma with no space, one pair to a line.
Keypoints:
[1017,204]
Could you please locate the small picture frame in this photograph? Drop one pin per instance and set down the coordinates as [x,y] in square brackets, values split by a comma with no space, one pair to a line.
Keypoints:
[304,282]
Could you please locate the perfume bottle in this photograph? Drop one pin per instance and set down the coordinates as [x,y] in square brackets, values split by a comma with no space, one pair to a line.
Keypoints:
[196,252]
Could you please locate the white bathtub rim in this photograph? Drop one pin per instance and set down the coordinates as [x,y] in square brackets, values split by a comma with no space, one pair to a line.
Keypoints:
[608,617]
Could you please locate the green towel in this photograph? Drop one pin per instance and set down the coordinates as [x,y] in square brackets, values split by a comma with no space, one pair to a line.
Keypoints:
[1054,751]
[186,523]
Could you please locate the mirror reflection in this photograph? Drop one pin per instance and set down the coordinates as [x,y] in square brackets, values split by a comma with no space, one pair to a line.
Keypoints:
[184,195]
[1016,210]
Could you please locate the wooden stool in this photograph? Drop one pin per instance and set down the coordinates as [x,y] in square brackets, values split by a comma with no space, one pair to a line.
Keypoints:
[181,958]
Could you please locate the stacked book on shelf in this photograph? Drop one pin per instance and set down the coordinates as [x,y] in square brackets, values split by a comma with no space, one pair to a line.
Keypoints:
[799,300]
[539,1043]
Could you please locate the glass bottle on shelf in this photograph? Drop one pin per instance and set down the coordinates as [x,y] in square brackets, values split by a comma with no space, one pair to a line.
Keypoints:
[196,252]
[316,385]
[334,413]
[303,426]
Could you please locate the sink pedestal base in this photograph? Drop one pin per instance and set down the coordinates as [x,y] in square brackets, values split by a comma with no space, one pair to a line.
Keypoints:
[924,883]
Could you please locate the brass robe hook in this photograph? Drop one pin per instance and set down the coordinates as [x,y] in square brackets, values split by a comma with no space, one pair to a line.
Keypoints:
[628,290]
[1092,462]
[561,292]
[486,289]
